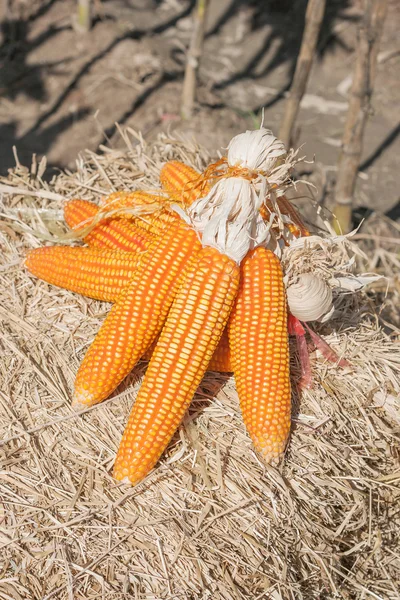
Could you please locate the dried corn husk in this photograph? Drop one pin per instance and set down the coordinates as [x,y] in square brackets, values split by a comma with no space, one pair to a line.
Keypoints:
[315,267]
[256,168]
[257,150]
[310,298]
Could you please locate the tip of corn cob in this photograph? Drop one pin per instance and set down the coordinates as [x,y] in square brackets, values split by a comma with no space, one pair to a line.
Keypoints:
[125,480]
[272,454]
[77,405]
[81,399]
[27,257]
[30,259]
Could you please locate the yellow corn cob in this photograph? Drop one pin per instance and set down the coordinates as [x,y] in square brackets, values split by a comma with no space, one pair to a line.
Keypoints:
[182,183]
[113,233]
[153,222]
[137,317]
[220,360]
[258,338]
[149,204]
[191,333]
[103,275]
[95,272]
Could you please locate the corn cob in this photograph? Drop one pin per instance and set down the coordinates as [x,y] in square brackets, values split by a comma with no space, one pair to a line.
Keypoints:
[146,203]
[101,274]
[137,317]
[95,272]
[113,233]
[190,335]
[220,360]
[258,337]
[154,221]
[182,183]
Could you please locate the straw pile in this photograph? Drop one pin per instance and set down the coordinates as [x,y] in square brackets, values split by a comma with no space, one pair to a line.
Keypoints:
[211,521]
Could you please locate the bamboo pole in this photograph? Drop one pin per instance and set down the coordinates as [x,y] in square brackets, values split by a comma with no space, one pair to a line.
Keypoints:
[368,38]
[84,17]
[313,20]
[193,59]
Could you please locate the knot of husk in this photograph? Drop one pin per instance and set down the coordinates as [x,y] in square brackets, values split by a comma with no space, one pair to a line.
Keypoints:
[229,218]
[256,168]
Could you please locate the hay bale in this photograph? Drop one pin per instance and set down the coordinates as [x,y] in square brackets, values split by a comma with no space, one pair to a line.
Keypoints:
[211,521]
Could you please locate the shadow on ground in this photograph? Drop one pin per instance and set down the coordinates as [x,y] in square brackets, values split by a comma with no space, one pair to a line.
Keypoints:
[279,23]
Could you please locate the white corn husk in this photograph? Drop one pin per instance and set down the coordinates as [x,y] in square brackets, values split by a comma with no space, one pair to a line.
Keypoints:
[228,217]
[257,150]
[310,298]
[318,272]
[333,258]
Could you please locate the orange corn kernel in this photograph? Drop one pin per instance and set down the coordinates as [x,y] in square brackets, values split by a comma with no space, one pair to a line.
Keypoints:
[220,360]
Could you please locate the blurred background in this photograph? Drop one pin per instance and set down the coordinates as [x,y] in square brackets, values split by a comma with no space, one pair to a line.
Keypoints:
[66,82]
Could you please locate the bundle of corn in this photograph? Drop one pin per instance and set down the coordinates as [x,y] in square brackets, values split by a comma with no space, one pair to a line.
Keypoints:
[287,535]
[180,274]
[193,269]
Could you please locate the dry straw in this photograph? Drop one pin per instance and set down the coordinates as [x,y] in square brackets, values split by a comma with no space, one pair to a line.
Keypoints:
[211,521]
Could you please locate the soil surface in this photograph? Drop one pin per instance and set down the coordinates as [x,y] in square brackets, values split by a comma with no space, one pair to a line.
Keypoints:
[62,91]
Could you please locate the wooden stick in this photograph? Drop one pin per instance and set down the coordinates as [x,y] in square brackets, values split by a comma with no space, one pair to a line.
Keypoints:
[369,34]
[193,59]
[314,15]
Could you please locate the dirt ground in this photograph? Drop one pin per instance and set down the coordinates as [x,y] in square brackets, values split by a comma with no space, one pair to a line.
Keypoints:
[62,91]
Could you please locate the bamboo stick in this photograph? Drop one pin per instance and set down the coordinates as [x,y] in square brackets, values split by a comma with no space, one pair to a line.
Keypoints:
[369,34]
[314,15]
[193,59]
[84,17]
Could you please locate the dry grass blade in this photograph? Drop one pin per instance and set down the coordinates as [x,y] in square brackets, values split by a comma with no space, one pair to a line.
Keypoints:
[211,521]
